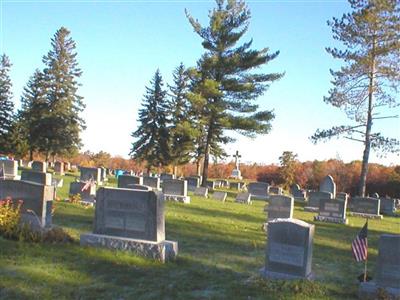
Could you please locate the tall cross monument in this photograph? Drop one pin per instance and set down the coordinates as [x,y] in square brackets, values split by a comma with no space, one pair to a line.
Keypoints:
[236,172]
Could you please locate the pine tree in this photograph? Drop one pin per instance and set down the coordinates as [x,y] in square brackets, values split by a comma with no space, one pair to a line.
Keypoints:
[288,162]
[362,88]
[34,112]
[152,136]
[182,131]
[63,123]
[6,105]
[225,83]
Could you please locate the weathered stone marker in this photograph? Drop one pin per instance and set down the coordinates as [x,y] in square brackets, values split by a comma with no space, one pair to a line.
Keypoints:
[59,168]
[37,177]
[332,211]
[87,195]
[258,190]
[125,180]
[243,198]
[201,191]
[297,193]
[37,201]
[289,249]
[279,207]
[131,220]
[387,272]
[90,174]
[39,166]
[220,196]
[314,199]
[176,190]
[10,168]
[193,182]
[387,206]
[153,182]
[328,185]
[365,207]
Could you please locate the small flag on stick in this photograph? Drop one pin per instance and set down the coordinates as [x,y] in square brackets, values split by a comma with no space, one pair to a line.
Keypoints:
[87,184]
[360,244]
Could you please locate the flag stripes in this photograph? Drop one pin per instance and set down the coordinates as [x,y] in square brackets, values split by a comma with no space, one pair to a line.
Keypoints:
[359,246]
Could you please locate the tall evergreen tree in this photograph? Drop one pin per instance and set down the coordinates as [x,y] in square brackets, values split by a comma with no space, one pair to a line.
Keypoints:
[34,112]
[152,136]
[365,85]
[6,105]
[63,121]
[224,81]
[182,131]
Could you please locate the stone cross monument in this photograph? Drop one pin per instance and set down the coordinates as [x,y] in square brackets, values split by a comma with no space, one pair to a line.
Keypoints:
[236,172]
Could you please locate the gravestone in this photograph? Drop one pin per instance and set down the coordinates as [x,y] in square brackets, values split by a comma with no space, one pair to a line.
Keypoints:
[238,186]
[153,182]
[342,196]
[289,249]
[67,166]
[59,168]
[124,180]
[258,190]
[297,193]
[37,201]
[176,190]
[279,207]
[314,199]
[141,187]
[57,182]
[37,177]
[103,174]
[39,166]
[387,278]
[193,182]
[236,174]
[87,195]
[220,196]
[225,183]
[10,168]
[211,184]
[387,206]
[90,174]
[201,191]
[244,198]
[328,185]
[275,190]
[332,211]
[375,195]
[365,207]
[165,176]
[131,220]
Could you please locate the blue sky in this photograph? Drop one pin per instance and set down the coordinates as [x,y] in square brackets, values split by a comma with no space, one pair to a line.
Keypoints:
[120,44]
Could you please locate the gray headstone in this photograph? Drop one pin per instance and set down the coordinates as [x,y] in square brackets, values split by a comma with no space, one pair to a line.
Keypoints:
[175,187]
[211,184]
[280,206]
[387,206]
[165,176]
[153,182]
[237,185]
[297,192]
[39,166]
[37,200]
[342,196]
[243,198]
[221,196]
[90,173]
[289,249]
[130,213]
[258,190]
[87,194]
[328,185]
[140,187]
[314,199]
[201,191]
[332,211]
[10,168]
[59,167]
[37,177]
[275,190]
[125,180]
[387,270]
[193,182]
[365,207]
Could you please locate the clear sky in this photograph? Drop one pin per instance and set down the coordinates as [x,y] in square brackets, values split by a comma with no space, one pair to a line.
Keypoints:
[120,44]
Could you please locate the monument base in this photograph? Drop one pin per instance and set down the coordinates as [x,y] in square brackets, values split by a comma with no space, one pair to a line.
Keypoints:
[162,251]
[363,215]
[183,199]
[331,220]
[300,200]
[275,275]
[370,290]
[311,209]
[236,174]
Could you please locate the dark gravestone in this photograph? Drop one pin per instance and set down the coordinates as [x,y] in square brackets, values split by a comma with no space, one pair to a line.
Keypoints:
[387,276]
[39,166]
[332,211]
[297,193]
[59,167]
[90,174]
[176,190]
[258,190]
[275,190]
[314,199]
[365,207]
[220,196]
[279,207]
[201,191]
[243,198]
[153,182]
[342,196]
[125,180]
[140,187]
[10,168]
[165,176]
[37,177]
[211,184]
[193,182]
[328,185]
[37,201]
[387,206]
[87,194]
[289,249]
[131,220]
[237,185]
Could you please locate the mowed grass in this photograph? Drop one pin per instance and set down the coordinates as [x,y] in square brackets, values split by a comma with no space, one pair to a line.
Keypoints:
[221,249]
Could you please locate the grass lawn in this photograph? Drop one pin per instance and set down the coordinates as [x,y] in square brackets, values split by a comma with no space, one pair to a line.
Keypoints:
[221,249]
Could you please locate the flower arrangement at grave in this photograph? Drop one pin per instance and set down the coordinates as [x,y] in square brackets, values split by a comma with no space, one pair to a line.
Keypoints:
[10,215]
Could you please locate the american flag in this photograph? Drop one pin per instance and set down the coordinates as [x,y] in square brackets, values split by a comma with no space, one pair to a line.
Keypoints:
[87,184]
[360,244]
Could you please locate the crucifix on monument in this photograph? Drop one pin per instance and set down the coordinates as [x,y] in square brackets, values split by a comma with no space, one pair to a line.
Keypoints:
[236,172]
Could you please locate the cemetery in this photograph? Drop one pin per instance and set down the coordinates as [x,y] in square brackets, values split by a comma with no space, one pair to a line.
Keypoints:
[119,181]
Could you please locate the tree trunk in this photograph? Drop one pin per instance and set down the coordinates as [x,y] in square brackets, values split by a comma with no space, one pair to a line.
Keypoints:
[367,143]
[207,155]
[176,171]
[30,154]
[198,166]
